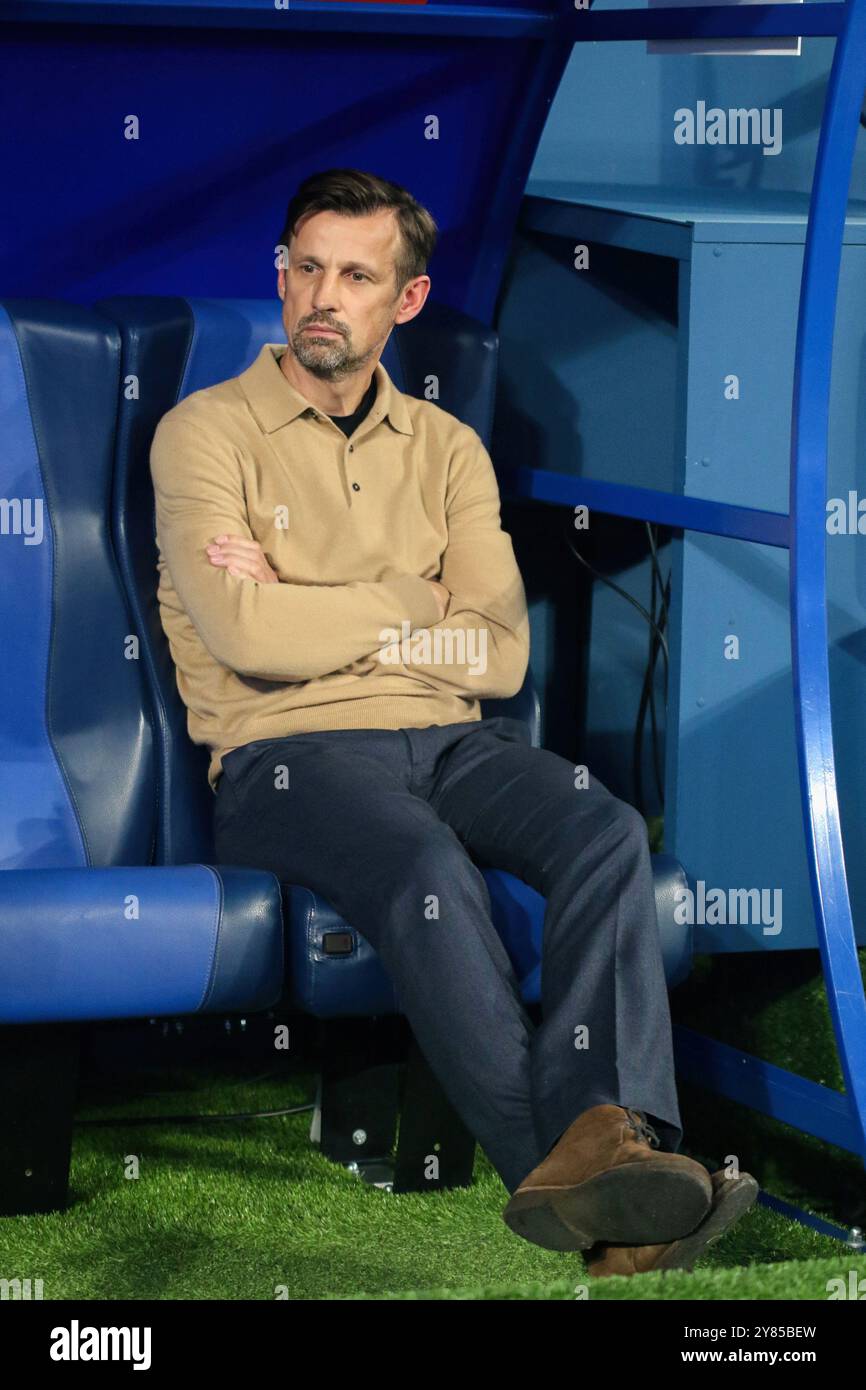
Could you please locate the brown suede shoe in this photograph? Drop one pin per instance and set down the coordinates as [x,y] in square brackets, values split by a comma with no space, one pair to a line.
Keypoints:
[732,1197]
[603,1181]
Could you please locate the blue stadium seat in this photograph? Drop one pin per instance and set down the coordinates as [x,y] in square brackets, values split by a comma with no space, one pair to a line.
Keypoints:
[90,927]
[170,348]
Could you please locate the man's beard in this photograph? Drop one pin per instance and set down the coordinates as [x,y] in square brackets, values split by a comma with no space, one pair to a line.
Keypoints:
[330,359]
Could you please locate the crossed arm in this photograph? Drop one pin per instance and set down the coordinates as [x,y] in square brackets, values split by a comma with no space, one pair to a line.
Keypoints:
[259,626]
[245,559]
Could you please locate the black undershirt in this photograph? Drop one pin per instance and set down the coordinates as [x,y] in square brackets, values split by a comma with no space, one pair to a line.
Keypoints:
[349,423]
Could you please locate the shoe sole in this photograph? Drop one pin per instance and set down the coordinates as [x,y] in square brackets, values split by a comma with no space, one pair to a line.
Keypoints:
[541,1225]
[632,1204]
[737,1195]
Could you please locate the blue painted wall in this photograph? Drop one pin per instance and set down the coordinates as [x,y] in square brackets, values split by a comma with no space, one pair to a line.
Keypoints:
[605,361]
[612,121]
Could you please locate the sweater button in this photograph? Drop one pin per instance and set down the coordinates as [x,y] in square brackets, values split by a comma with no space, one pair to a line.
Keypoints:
[351,448]
[356,487]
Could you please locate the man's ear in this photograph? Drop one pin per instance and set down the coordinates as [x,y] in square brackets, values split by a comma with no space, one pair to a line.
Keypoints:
[414,297]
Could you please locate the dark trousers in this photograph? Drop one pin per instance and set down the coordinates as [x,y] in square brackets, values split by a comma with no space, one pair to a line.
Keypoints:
[382,823]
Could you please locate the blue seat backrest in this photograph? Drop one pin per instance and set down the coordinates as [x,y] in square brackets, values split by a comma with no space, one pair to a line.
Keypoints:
[77,775]
[172,347]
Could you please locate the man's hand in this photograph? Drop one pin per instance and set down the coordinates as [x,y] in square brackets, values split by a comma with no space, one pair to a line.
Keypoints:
[443,597]
[241,557]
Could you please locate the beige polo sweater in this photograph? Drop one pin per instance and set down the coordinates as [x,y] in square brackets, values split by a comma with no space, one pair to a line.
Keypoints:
[350,637]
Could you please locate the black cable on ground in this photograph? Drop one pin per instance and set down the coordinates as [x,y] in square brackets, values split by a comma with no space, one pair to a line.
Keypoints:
[193,1119]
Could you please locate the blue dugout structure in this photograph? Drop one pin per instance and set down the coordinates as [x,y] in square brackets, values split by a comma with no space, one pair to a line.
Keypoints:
[498,95]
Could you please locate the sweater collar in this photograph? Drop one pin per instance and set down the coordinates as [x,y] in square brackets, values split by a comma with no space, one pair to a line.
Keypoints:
[275,401]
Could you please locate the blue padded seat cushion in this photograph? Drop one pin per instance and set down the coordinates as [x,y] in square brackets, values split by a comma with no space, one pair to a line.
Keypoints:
[138,941]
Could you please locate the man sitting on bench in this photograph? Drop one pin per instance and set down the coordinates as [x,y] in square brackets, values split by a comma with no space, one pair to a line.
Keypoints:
[338,595]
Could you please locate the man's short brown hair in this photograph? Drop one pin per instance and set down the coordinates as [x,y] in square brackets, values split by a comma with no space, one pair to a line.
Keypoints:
[354,193]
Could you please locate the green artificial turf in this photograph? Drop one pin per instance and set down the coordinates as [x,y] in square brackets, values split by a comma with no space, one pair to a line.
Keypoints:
[251,1210]
[233,1211]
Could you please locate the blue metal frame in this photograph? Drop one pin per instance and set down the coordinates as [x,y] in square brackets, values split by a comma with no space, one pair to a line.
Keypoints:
[647,504]
[491,21]
[808,585]
[496,22]
[714,21]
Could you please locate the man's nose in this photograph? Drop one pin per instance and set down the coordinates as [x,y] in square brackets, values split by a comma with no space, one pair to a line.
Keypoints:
[326,294]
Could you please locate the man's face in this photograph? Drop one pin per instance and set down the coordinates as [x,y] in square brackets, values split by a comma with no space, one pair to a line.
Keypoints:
[341,275]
